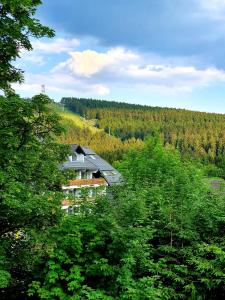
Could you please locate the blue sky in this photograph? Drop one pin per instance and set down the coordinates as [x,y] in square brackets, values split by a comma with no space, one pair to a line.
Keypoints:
[155,52]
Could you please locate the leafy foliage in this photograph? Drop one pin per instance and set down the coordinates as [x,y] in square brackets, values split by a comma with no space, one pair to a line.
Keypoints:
[17,26]
[29,183]
[158,237]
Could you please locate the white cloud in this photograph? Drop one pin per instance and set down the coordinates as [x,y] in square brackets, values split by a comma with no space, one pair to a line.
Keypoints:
[120,67]
[176,75]
[89,62]
[59,84]
[100,89]
[94,74]
[58,45]
[33,58]
[214,9]
[41,51]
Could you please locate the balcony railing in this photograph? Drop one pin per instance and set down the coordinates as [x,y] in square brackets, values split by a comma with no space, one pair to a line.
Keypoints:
[87,182]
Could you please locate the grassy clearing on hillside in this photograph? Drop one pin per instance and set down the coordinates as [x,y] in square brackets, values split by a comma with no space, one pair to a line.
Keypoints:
[76,119]
[79,121]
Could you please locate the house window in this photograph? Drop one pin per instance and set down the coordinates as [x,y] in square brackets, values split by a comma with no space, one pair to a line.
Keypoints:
[83,175]
[89,175]
[74,157]
[77,193]
[70,210]
[78,175]
[93,192]
[80,157]
[71,193]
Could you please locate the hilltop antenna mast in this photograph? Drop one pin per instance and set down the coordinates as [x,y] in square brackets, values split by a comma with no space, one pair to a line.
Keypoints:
[43,89]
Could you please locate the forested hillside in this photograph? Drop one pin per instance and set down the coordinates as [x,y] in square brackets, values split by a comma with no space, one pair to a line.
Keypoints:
[83,132]
[196,135]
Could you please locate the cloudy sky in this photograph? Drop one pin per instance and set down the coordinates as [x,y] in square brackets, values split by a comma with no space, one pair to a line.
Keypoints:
[155,52]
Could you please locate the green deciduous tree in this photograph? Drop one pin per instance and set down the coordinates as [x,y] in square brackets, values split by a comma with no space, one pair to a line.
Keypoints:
[29,184]
[17,26]
[29,156]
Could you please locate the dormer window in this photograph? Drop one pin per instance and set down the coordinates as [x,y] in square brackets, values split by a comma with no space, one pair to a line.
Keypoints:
[74,157]
[80,157]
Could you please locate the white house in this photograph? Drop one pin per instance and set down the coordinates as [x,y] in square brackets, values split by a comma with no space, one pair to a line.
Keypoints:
[93,175]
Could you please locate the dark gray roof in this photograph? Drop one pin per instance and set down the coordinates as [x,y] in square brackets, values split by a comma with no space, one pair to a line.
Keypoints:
[113,179]
[84,150]
[88,151]
[79,165]
[99,162]
[93,162]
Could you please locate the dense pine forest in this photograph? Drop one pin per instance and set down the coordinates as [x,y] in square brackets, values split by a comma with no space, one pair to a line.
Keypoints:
[197,135]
